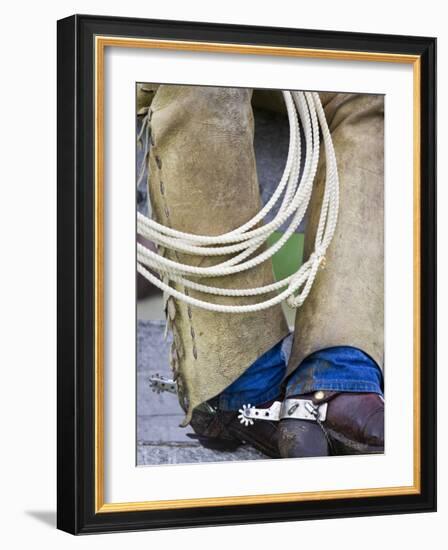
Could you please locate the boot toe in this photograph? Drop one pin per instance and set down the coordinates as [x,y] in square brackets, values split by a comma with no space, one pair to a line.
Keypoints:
[374,429]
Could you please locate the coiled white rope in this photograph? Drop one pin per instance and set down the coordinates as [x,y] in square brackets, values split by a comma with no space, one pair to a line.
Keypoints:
[303,108]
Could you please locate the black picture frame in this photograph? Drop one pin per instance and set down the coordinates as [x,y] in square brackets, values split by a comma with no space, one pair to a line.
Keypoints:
[76,254]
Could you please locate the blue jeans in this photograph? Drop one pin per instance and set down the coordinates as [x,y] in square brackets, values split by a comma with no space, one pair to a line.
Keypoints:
[341,368]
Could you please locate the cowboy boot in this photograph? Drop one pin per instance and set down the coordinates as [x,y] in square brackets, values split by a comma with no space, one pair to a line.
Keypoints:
[223,430]
[353,424]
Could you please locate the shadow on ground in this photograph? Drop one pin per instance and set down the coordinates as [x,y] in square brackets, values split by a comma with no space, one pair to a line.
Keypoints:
[48,517]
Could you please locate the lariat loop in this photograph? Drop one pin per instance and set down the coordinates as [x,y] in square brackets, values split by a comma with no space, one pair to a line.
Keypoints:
[242,246]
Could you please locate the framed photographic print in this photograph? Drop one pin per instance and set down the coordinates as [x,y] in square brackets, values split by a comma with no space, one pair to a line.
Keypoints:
[246,274]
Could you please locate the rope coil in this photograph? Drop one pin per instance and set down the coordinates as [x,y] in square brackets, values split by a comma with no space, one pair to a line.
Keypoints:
[303,108]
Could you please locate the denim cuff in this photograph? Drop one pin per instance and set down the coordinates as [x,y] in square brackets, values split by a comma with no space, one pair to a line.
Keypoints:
[341,368]
[260,383]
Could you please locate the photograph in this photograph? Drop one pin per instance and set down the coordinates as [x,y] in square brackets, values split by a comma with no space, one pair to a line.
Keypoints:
[260,274]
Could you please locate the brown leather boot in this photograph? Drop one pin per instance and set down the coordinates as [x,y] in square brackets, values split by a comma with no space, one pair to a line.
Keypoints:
[223,430]
[354,424]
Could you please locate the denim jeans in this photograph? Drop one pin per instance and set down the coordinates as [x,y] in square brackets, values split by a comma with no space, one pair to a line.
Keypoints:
[341,368]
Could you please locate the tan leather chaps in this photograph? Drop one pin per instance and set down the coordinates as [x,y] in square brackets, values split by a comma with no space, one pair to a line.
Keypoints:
[203,180]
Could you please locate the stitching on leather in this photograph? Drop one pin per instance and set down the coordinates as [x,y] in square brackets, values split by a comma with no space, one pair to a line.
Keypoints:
[159,165]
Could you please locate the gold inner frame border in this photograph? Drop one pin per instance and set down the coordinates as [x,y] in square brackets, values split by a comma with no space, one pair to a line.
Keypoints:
[101,42]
